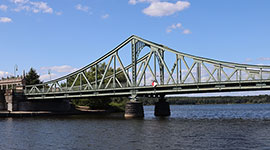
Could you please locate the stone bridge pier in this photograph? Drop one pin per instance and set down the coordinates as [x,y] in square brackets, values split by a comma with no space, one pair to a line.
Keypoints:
[134,108]
[162,108]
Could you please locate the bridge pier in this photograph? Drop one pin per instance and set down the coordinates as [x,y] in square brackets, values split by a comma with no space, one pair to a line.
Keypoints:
[134,109]
[162,108]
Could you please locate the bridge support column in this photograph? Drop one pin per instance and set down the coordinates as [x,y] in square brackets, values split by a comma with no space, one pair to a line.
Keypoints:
[12,100]
[162,108]
[134,109]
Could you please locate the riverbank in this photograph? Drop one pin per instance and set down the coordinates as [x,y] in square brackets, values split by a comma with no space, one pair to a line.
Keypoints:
[80,110]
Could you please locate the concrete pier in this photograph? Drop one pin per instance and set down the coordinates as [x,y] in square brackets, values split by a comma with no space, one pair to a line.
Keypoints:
[162,108]
[134,109]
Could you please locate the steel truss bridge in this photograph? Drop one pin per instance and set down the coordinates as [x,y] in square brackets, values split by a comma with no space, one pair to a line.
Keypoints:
[173,71]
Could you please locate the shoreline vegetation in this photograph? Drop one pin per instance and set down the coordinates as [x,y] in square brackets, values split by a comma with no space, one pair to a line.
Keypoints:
[215,100]
[118,104]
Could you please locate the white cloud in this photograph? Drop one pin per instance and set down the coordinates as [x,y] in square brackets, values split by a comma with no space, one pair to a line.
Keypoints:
[178,26]
[173,27]
[105,16]
[32,6]
[55,72]
[264,58]
[64,68]
[4,74]
[19,1]
[134,2]
[3,7]
[82,8]
[186,31]
[248,60]
[46,77]
[159,9]
[41,7]
[58,13]
[5,19]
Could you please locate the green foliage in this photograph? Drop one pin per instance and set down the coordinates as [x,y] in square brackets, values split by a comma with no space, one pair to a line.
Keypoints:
[119,104]
[99,103]
[90,75]
[80,102]
[32,77]
[211,100]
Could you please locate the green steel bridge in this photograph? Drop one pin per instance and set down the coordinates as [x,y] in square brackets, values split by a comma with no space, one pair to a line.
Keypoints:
[142,62]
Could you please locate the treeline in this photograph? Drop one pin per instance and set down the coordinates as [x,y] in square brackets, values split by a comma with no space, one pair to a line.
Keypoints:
[212,100]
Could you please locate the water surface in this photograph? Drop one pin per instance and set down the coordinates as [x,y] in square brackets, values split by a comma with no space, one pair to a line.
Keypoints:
[241,126]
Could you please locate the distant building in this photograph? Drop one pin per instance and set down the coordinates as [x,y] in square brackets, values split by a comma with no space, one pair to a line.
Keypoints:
[12,83]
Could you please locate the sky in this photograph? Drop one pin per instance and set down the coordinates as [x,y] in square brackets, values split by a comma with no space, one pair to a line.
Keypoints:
[63,36]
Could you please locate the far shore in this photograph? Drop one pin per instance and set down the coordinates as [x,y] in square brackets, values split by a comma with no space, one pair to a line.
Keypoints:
[211,100]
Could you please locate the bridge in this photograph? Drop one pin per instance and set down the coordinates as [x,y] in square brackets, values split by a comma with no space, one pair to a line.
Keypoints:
[134,65]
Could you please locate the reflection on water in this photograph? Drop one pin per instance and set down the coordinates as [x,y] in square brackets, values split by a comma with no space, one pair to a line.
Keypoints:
[189,127]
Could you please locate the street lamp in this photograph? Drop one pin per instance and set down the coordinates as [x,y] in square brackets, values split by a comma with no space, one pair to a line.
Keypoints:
[49,72]
[15,70]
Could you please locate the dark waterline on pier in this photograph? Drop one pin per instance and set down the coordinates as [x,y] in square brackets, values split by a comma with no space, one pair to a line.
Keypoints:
[241,126]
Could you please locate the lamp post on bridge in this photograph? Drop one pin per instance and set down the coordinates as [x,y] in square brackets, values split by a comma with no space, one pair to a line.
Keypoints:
[15,70]
[49,73]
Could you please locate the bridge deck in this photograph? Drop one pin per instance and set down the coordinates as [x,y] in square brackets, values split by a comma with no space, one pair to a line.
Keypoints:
[162,89]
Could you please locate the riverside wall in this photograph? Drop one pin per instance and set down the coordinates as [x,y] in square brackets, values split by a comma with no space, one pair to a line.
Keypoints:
[17,101]
[2,100]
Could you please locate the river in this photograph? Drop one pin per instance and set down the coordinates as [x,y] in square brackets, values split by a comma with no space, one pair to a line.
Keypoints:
[237,126]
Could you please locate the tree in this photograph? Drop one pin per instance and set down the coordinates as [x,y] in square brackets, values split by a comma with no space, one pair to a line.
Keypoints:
[32,77]
[90,75]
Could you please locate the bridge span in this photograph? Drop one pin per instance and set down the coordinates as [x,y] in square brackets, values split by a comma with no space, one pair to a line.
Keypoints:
[131,68]
[185,74]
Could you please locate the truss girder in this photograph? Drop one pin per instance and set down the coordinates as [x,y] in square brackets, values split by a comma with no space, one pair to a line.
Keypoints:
[185,69]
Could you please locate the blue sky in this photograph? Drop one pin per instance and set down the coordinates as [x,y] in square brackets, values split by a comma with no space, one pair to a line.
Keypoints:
[63,36]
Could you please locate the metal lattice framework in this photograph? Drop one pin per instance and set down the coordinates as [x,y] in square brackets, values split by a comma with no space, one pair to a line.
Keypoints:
[175,73]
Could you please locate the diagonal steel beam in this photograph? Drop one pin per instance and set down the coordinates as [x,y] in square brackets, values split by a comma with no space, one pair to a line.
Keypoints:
[118,82]
[32,89]
[183,58]
[144,67]
[140,67]
[106,70]
[88,83]
[165,65]
[190,72]
[172,71]
[123,69]
[212,75]
[108,83]
[60,87]
[231,75]
[74,82]
[50,87]
[228,79]
[151,71]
